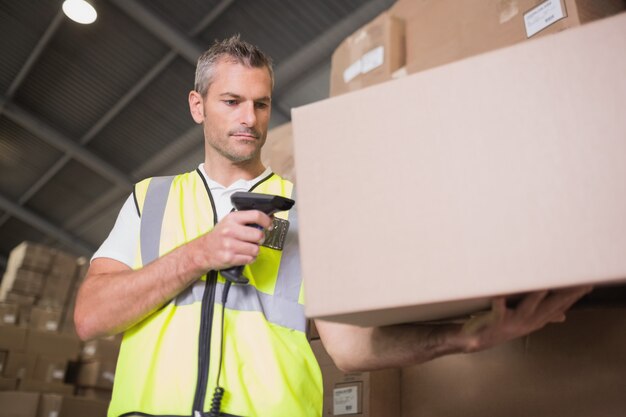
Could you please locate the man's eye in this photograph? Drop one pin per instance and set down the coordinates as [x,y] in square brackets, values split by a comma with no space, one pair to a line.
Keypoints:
[261,105]
[230,102]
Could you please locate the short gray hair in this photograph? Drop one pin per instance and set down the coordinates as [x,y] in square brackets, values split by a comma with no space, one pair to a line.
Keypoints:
[235,50]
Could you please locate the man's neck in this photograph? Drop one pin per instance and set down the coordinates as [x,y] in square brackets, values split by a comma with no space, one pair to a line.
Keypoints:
[226,173]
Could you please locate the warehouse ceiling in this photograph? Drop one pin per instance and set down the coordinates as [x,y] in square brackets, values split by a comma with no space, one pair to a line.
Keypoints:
[88,110]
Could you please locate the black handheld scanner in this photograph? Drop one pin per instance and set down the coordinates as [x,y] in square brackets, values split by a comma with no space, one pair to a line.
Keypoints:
[268,204]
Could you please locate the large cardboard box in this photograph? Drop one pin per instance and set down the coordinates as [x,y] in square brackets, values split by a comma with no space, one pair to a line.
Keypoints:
[9,313]
[107,348]
[8,384]
[425,197]
[20,365]
[97,374]
[366,394]
[12,338]
[45,318]
[368,56]
[573,369]
[19,404]
[82,407]
[50,405]
[33,385]
[442,31]
[53,344]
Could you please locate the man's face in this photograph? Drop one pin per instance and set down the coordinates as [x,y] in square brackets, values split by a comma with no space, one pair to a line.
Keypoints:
[236,111]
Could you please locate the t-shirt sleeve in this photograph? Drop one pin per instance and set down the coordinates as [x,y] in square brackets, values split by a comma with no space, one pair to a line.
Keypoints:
[123,240]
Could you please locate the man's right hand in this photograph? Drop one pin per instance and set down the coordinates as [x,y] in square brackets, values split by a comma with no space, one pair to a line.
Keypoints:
[232,242]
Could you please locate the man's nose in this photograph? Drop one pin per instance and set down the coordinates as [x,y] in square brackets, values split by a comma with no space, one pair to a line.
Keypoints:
[248,115]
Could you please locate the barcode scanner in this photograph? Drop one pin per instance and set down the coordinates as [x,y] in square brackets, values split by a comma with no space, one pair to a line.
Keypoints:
[268,204]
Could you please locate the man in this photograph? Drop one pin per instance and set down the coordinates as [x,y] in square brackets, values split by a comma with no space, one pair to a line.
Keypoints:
[156,279]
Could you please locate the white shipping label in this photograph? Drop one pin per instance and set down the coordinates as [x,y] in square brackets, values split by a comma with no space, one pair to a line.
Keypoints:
[369,61]
[542,16]
[345,400]
[352,71]
[108,376]
[58,374]
[52,325]
[372,59]
[53,414]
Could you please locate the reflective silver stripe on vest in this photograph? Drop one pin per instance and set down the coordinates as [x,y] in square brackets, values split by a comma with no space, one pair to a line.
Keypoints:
[276,309]
[152,217]
[289,278]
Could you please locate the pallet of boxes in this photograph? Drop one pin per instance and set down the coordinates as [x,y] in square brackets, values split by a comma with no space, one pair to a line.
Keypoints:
[39,350]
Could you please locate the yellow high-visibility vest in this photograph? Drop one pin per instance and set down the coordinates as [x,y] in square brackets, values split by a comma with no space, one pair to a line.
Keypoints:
[168,363]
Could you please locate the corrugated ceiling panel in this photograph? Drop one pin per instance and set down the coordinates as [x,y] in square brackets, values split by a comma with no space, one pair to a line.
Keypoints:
[22,23]
[71,189]
[156,117]
[14,232]
[183,15]
[87,68]
[279,34]
[23,158]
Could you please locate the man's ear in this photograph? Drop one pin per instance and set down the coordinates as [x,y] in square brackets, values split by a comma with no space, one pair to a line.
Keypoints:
[196,107]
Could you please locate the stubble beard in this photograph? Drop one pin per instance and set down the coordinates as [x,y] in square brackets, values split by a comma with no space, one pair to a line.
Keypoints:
[223,147]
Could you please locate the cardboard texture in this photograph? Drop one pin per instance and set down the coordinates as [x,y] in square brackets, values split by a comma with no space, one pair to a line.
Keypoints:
[493,175]
[102,394]
[50,368]
[50,405]
[82,407]
[3,358]
[278,151]
[32,385]
[12,338]
[8,384]
[97,374]
[101,349]
[32,256]
[20,365]
[9,313]
[53,344]
[368,56]
[28,282]
[19,404]
[443,31]
[368,394]
[573,369]
[45,318]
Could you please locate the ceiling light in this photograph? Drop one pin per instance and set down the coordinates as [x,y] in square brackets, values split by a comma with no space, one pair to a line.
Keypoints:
[80,11]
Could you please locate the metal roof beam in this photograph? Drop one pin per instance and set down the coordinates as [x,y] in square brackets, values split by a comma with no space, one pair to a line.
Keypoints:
[33,57]
[63,143]
[187,47]
[45,226]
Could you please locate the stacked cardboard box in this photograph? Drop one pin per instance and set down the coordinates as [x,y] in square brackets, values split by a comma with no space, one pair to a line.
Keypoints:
[470,181]
[414,35]
[39,350]
[443,31]
[37,275]
[33,404]
[366,394]
[96,369]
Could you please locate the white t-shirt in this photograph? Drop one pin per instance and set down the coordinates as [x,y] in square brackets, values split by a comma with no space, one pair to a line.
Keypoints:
[124,237]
